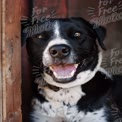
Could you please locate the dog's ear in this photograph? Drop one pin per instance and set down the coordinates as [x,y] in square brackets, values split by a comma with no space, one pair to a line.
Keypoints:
[100,34]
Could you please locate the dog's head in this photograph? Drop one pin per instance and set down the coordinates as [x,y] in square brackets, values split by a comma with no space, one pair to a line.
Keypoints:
[67,53]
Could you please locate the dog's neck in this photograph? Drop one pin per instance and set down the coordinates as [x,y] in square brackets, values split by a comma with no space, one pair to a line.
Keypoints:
[61,96]
[42,84]
[54,88]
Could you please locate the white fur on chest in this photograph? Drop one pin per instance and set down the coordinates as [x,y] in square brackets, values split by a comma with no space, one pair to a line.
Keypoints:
[62,104]
[66,96]
[47,111]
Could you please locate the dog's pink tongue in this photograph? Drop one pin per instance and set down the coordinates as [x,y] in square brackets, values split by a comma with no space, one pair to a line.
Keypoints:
[65,70]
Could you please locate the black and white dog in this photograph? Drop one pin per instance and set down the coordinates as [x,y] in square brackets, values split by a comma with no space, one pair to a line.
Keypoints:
[71,85]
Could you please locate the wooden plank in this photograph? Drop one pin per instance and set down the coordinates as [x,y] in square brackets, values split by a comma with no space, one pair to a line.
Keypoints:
[49,9]
[11,61]
[0,62]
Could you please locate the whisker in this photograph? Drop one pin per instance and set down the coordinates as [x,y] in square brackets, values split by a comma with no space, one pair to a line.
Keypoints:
[120,8]
[38,75]
[91,8]
[34,73]
[116,116]
[24,22]
[36,67]
[114,112]
[93,15]
[90,13]
[120,5]
[24,17]
[119,2]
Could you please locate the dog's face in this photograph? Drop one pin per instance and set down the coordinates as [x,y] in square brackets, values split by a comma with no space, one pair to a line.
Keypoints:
[67,53]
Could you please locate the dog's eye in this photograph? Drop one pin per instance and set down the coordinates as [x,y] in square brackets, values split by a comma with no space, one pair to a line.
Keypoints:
[40,36]
[43,36]
[77,34]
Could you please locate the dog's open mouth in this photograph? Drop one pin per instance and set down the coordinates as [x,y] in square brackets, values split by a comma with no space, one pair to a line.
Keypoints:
[63,72]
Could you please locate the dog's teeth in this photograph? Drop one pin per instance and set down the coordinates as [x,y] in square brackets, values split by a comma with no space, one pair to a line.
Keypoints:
[51,68]
[55,74]
[62,77]
[76,65]
[72,73]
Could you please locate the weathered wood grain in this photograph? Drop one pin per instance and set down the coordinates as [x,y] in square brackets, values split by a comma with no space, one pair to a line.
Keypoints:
[0,62]
[11,61]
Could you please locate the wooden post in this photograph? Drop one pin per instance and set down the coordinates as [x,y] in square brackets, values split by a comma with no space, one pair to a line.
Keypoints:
[10,61]
[0,62]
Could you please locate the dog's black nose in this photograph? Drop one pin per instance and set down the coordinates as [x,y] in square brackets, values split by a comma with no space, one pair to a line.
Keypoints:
[59,51]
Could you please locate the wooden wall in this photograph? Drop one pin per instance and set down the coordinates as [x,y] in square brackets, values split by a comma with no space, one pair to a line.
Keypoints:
[10,61]
[11,12]
[0,64]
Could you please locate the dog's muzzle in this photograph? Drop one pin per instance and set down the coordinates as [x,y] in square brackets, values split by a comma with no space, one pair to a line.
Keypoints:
[62,68]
